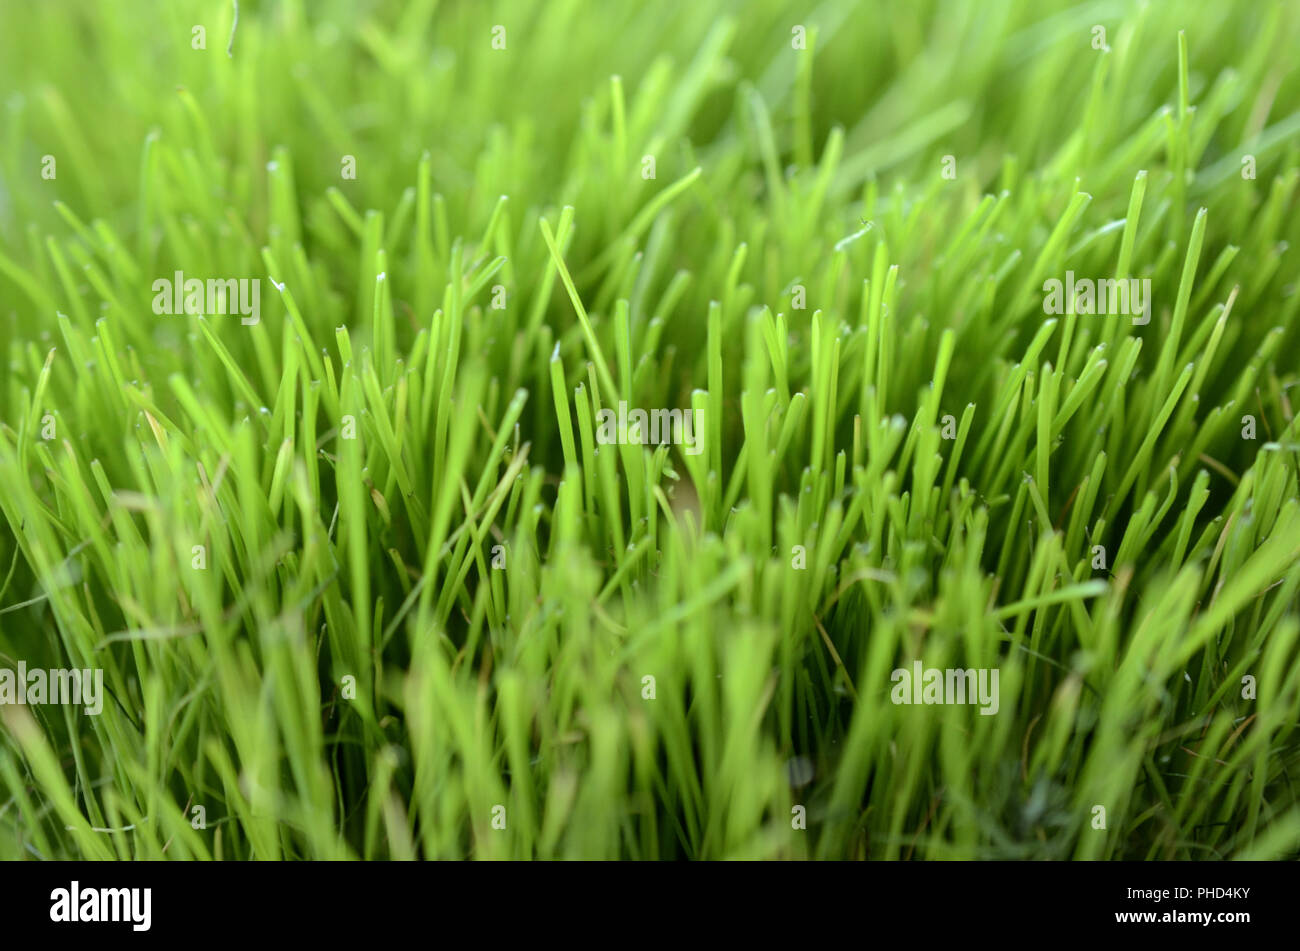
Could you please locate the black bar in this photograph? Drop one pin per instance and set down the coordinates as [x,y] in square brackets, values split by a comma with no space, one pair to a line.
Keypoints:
[562,901]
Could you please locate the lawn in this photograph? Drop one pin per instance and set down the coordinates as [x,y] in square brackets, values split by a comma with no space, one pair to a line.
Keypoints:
[734,429]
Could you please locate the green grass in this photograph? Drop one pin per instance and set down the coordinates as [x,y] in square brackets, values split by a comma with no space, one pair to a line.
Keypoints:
[827,533]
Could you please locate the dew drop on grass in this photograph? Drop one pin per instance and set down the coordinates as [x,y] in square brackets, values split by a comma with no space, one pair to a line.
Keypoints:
[799,771]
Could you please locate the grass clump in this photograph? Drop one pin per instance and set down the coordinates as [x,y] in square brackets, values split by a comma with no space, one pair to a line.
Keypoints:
[364,581]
